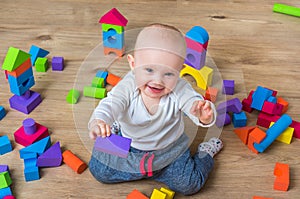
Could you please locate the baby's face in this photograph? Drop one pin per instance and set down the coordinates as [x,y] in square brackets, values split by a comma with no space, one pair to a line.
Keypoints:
[156,71]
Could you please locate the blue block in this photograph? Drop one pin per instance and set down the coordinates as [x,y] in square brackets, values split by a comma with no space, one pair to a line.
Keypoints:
[36,52]
[31,173]
[239,119]
[19,85]
[102,74]
[28,155]
[2,112]
[272,99]
[5,192]
[113,40]
[5,145]
[30,162]
[38,147]
[259,96]
[273,132]
[198,34]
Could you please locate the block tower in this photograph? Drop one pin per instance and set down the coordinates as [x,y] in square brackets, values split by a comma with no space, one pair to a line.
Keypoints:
[197,40]
[18,67]
[113,23]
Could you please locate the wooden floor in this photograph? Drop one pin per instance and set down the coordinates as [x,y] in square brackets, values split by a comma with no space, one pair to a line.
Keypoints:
[248,43]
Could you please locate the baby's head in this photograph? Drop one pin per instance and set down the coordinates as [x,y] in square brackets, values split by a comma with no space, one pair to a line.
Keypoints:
[158,58]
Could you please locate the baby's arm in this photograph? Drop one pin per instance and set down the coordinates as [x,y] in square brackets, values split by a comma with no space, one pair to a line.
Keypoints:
[97,128]
[203,111]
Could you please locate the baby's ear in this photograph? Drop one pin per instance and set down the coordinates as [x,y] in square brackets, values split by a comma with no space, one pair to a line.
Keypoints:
[130,59]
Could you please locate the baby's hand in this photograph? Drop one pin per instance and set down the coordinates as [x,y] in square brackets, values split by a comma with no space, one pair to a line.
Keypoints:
[203,111]
[99,128]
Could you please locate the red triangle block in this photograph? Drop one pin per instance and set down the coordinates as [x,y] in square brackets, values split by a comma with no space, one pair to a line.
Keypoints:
[51,158]
[243,133]
[114,17]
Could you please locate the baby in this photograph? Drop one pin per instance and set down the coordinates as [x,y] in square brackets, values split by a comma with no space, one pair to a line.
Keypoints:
[148,106]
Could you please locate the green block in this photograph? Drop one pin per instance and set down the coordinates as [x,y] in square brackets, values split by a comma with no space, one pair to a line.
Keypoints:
[285,9]
[14,58]
[98,82]
[118,29]
[5,180]
[73,96]
[41,64]
[94,92]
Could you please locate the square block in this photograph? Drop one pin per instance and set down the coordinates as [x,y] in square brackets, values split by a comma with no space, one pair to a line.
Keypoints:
[211,94]
[98,82]
[247,105]
[58,63]
[21,69]
[19,85]
[22,138]
[5,145]
[239,119]
[195,59]
[31,173]
[5,192]
[41,64]
[228,87]
[156,194]
[73,96]
[269,107]
[112,39]
[23,104]
[5,180]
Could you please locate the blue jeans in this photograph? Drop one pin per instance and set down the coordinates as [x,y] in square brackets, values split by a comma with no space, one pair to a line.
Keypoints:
[186,174]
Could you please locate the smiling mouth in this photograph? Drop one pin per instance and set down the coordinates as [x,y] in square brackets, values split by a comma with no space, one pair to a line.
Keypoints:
[155,90]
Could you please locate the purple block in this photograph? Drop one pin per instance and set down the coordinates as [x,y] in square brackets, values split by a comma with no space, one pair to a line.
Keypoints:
[24,105]
[51,158]
[4,168]
[223,119]
[29,126]
[114,144]
[231,106]
[228,87]
[58,63]
[195,59]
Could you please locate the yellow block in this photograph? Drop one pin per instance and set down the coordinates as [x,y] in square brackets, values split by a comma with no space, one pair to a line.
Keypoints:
[203,76]
[286,136]
[170,193]
[157,194]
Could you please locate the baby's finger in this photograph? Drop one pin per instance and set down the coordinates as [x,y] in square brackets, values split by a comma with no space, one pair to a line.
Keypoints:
[206,105]
[200,104]
[102,130]
[107,130]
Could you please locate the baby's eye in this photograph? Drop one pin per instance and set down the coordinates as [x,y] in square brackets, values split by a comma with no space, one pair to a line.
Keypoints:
[169,74]
[149,70]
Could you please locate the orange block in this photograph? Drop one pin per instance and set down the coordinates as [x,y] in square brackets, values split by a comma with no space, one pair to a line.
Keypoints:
[284,103]
[259,197]
[113,79]
[118,52]
[256,136]
[74,162]
[282,173]
[135,194]
[211,94]
[21,69]
[243,133]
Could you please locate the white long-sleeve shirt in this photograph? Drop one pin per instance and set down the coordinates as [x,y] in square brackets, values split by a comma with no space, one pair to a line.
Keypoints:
[124,104]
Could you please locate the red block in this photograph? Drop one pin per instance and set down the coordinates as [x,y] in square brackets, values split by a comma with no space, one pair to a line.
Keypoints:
[284,103]
[282,173]
[269,108]
[265,119]
[211,94]
[247,105]
[278,109]
[296,126]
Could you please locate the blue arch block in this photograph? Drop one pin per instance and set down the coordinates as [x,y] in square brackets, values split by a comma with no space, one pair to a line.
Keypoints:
[199,34]
[19,85]
[112,39]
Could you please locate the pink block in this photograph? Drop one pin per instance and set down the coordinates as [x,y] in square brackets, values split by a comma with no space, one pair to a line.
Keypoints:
[9,197]
[265,119]
[296,126]
[195,45]
[278,109]
[250,95]
[114,17]
[269,108]
[22,138]
[247,105]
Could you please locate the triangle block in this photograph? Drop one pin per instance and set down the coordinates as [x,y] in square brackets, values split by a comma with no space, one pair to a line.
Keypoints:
[114,17]
[14,58]
[36,52]
[51,158]
[243,133]
[38,147]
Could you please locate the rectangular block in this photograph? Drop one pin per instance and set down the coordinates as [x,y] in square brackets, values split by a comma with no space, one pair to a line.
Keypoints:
[286,136]
[284,103]
[195,45]
[19,85]
[239,119]
[4,168]
[264,119]
[21,69]
[259,97]
[5,145]
[73,96]
[94,92]
[24,104]
[118,52]
[223,119]
[116,28]
[228,87]
[195,59]
[282,173]
[2,112]
[247,105]
[31,173]
[112,39]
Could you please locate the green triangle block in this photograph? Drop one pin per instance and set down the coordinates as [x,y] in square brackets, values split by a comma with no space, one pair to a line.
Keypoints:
[38,147]
[14,58]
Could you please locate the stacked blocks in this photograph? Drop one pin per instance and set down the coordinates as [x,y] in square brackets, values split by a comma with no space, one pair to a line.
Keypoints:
[102,74]
[286,136]
[2,112]
[73,96]
[73,162]
[243,133]
[41,64]
[36,52]
[228,87]
[282,173]
[5,181]
[58,63]
[5,145]
[21,79]
[113,23]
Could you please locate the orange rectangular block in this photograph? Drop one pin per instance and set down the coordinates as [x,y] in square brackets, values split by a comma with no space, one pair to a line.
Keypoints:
[21,69]
[135,194]
[211,94]
[259,197]
[118,52]
[284,103]
[282,173]
[256,136]
[113,79]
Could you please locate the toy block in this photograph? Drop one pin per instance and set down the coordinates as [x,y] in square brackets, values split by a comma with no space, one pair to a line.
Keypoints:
[269,107]
[116,28]
[5,145]
[170,193]
[19,85]
[259,197]
[98,82]
[231,106]
[9,197]
[41,64]
[24,103]
[31,173]
[247,105]
[260,95]
[207,75]
[94,92]
[264,119]
[2,112]
[243,133]
[195,59]
[282,173]
[118,52]
[250,95]
[57,63]
[195,45]
[5,180]
[28,155]
[296,126]
[5,192]
[4,168]
[73,96]
[21,69]
[255,136]
[6,74]
[113,79]
[228,87]
[156,194]
[239,119]
[135,194]
[29,126]
[26,140]
[223,119]
[273,132]
[286,136]
[114,144]
[14,58]
[114,17]
[211,94]
[30,162]
[284,103]
[51,158]
[198,34]
[36,52]
[112,39]
[102,74]
[73,162]
[38,147]
[272,99]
